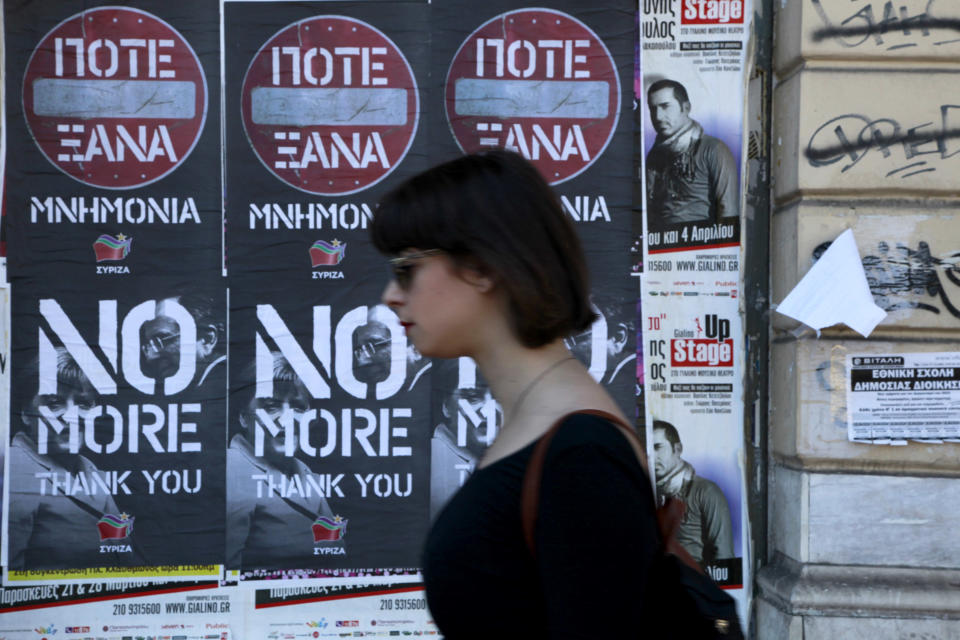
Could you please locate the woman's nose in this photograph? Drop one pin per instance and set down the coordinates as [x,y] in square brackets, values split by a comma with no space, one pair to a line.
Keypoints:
[392,295]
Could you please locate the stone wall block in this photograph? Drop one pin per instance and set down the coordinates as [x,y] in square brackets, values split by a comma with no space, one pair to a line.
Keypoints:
[808,410]
[910,252]
[867,132]
[865,30]
[884,520]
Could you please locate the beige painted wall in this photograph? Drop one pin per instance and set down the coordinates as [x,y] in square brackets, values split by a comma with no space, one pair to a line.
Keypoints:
[866,136]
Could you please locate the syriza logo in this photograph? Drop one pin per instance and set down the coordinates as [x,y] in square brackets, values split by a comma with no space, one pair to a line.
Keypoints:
[108,248]
[324,255]
[115,527]
[326,529]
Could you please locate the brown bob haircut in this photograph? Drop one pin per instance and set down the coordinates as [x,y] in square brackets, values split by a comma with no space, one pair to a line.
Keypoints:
[493,209]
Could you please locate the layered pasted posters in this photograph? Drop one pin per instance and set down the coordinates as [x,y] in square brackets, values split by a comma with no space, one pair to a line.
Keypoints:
[118,376]
[328,443]
[116,454]
[552,84]
[343,440]
[690,103]
[112,117]
[337,440]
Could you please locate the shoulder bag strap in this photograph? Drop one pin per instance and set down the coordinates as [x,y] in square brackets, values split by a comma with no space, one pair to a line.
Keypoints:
[530,492]
[669,516]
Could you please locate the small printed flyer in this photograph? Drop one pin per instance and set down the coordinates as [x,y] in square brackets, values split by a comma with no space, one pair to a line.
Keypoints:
[904,396]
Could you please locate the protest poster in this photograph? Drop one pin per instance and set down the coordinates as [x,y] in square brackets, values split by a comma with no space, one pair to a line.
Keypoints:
[113,115]
[324,104]
[551,83]
[116,454]
[328,445]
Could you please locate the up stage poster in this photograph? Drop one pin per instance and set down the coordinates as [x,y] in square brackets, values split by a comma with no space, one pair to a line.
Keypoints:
[116,454]
[690,100]
[112,115]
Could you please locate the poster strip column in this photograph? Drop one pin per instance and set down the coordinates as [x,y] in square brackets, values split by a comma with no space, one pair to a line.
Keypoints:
[691,102]
[328,429]
[547,82]
[118,367]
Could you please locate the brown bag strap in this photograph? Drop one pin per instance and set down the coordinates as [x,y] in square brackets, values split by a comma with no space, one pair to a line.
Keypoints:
[669,516]
[530,493]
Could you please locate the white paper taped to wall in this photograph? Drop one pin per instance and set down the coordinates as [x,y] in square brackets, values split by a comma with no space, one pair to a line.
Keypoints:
[835,290]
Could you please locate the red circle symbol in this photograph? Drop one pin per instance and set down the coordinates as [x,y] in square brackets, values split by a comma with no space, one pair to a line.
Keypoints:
[115,97]
[330,105]
[538,82]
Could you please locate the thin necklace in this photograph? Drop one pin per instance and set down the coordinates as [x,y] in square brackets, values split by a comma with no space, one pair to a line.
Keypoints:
[526,390]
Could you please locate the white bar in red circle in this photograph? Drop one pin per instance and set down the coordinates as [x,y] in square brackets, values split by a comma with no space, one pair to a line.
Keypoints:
[61,98]
[282,106]
[532,98]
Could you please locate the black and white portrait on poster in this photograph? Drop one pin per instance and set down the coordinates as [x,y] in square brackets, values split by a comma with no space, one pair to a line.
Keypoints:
[328,447]
[117,426]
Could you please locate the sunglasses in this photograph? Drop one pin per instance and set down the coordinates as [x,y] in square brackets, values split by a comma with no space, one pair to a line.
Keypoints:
[402,268]
[156,344]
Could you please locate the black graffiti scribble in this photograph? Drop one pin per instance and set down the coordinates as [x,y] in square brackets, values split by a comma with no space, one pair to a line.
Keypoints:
[853,135]
[921,24]
[899,272]
[864,22]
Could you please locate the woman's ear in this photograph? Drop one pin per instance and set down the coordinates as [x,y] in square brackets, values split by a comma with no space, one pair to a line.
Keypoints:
[478,275]
[482,281]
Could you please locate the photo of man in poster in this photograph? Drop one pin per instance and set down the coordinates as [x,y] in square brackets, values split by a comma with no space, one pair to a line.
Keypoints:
[607,347]
[373,351]
[706,531]
[160,343]
[690,176]
[271,503]
[466,424]
[56,507]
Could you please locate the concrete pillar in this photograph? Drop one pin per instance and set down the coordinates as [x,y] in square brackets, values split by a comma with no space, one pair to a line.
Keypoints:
[864,540]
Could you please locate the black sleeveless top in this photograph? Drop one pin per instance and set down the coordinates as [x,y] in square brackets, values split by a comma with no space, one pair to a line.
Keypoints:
[596,541]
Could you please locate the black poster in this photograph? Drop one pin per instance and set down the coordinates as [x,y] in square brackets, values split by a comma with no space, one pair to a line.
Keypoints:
[327,461]
[116,453]
[324,108]
[553,82]
[113,137]
[329,409]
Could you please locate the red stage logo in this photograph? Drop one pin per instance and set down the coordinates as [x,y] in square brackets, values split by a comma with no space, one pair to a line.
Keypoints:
[330,105]
[712,12]
[538,82]
[115,97]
